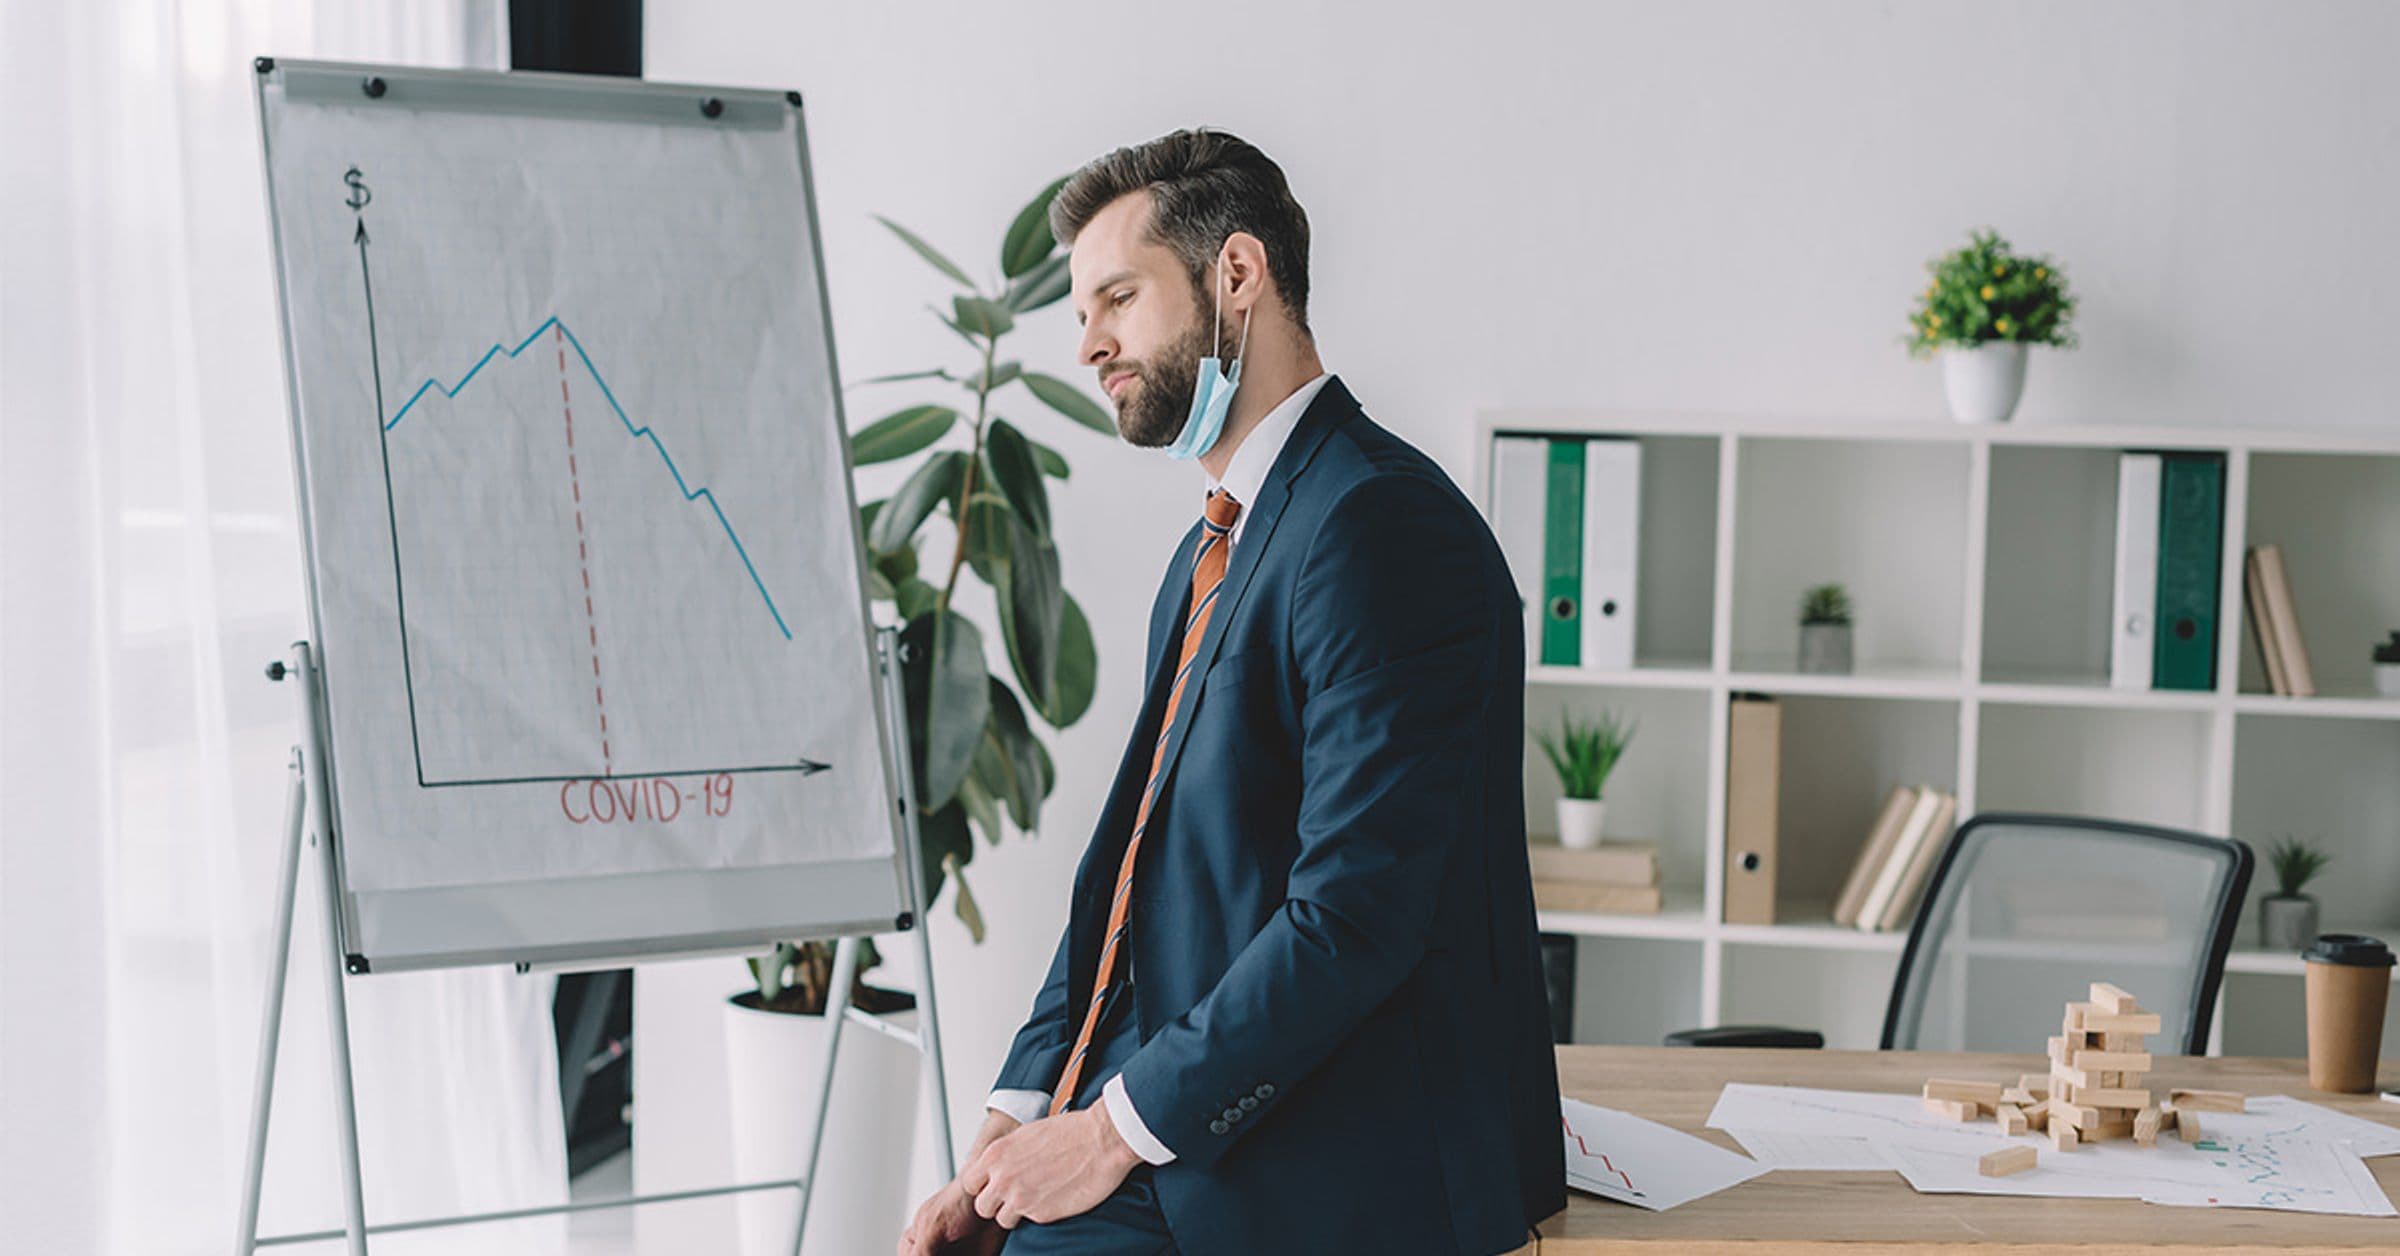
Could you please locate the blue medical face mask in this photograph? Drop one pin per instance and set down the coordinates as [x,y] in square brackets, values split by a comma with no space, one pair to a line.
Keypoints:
[1212,393]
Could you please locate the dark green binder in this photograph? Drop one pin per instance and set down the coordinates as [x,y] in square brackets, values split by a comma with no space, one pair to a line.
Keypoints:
[1562,554]
[2191,533]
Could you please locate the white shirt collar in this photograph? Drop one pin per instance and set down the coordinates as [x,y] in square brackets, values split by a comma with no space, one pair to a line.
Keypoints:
[1246,473]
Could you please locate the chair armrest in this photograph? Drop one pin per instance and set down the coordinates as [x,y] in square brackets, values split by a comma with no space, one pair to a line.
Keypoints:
[1746,1036]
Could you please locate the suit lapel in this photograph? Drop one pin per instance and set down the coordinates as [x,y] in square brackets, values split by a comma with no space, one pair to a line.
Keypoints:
[1328,409]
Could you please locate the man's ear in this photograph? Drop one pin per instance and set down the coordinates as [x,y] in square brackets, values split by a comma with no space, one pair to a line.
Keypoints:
[1244,258]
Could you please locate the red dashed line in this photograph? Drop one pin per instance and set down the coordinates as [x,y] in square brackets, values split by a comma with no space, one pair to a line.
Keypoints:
[583,553]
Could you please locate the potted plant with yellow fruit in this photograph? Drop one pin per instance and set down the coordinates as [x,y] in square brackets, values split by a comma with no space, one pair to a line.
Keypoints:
[1985,305]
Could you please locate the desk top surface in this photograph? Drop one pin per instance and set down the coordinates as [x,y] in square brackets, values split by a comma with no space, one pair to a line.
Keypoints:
[1865,1214]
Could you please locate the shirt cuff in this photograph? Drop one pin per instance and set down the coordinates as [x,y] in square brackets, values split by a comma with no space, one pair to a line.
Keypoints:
[1129,1123]
[1027,1106]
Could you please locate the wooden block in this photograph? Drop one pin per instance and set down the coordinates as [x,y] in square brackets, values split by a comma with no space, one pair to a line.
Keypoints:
[2145,1126]
[2112,999]
[2113,1061]
[2012,1119]
[2098,1022]
[2119,1042]
[2205,1100]
[2078,1014]
[2075,1114]
[1984,1094]
[2187,1126]
[2019,1096]
[2113,1097]
[1955,1109]
[2034,1082]
[2008,1160]
[2060,1053]
[2062,1135]
[2037,1117]
[2114,1125]
[2068,1074]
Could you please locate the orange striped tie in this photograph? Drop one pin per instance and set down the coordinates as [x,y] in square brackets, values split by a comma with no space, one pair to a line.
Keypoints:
[1216,539]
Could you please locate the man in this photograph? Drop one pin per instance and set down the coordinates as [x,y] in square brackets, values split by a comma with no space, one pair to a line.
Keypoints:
[1298,1006]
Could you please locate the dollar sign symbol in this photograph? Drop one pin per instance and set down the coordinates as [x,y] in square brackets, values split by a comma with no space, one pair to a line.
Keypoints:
[359,195]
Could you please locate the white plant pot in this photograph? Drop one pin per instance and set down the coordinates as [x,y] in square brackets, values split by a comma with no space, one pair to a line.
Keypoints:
[1983,381]
[2387,679]
[773,1061]
[1579,822]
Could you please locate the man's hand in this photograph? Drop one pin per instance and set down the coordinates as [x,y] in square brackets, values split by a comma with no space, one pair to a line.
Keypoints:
[1054,1168]
[947,1224]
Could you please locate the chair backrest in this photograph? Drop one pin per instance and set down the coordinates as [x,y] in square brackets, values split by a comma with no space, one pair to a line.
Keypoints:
[2026,911]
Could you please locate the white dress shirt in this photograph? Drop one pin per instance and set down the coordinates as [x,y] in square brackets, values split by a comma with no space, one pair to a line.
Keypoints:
[1245,476]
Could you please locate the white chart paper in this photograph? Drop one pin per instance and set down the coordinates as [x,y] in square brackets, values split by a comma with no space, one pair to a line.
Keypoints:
[1618,1156]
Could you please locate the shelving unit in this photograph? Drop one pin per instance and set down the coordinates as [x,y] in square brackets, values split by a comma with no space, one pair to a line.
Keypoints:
[1981,560]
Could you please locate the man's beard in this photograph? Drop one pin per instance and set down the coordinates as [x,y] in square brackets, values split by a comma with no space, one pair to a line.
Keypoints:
[1162,390]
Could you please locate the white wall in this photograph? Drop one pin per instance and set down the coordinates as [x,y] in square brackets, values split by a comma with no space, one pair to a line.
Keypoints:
[1711,207]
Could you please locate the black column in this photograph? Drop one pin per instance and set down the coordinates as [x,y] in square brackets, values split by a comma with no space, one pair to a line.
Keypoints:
[576,36]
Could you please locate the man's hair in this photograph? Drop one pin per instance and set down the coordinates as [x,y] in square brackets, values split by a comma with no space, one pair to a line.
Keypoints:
[1204,185]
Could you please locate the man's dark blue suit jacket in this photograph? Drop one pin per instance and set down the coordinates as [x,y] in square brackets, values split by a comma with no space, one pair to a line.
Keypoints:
[1344,1039]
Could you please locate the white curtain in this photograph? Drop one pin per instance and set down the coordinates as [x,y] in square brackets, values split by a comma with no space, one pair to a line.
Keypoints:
[149,569]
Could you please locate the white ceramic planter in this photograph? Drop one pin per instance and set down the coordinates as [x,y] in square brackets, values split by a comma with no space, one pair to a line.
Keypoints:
[1579,822]
[1984,381]
[773,1061]
[2387,679]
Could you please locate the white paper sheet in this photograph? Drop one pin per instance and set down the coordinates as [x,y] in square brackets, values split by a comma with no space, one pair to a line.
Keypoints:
[2282,1116]
[1622,1157]
[1845,1114]
[1785,1149]
[2286,1174]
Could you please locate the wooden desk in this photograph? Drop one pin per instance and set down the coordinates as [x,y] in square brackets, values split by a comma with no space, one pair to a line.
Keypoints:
[1871,1214]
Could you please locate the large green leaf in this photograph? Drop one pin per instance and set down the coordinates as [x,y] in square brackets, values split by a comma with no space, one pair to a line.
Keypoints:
[1038,287]
[914,597]
[934,481]
[1052,462]
[1012,737]
[1069,400]
[1078,670]
[1029,240]
[949,699]
[1002,373]
[988,528]
[982,807]
[928,252]
[901,433]
[943,846]
[1031,602]
[984,318]
[1019,475]
[969,914]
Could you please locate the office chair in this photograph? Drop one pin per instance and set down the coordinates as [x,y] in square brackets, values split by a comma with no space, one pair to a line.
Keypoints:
[2025,911]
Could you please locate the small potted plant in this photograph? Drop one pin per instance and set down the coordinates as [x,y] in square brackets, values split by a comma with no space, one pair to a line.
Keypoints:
[2387,666]
[1825,631]
[2287,918]
[1584,755]
[1983,307]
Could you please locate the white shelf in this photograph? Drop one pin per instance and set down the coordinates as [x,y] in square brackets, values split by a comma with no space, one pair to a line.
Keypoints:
[1980,557]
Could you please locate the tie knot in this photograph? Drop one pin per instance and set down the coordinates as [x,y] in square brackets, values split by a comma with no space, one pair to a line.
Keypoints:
[1221,510]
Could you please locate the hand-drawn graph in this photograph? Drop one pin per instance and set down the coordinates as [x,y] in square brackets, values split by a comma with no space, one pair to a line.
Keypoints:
[542,533]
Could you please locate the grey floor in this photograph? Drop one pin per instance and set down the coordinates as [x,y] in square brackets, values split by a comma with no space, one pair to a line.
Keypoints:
[603,1231]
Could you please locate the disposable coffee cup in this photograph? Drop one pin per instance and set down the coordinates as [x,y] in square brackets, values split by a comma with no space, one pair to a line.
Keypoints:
[2349,978]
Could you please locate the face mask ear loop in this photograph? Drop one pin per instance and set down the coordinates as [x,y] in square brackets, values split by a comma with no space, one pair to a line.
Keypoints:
[1216,319]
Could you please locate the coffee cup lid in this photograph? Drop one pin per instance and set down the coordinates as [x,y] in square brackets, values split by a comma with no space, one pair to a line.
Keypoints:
[2354,949]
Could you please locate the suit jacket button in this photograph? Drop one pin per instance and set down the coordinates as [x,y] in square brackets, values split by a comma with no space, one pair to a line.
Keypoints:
[1233,1114]
[1218,1127]
[1266,1090]
[1249,1104]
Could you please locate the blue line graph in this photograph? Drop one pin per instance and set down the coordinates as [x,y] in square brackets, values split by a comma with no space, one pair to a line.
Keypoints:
[451,391]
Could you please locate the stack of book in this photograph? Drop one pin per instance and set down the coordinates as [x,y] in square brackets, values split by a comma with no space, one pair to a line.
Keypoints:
[1896,859]
[1620,878]
[2170,535]
[2275,623]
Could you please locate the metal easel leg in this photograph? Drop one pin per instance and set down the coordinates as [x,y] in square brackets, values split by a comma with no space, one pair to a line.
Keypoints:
[837,1004]
[262,1090]
[337,1007]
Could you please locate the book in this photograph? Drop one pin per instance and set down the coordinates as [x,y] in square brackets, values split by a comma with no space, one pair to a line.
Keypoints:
[1921,861]
[1904,847]
[1519,498]
[2262,625]
[2191,528]
[1612,526]
[1873,852]
[1753,781]
[2285,616]
[1616,900]
[1562,555]
[1609,863]
[2130,644]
